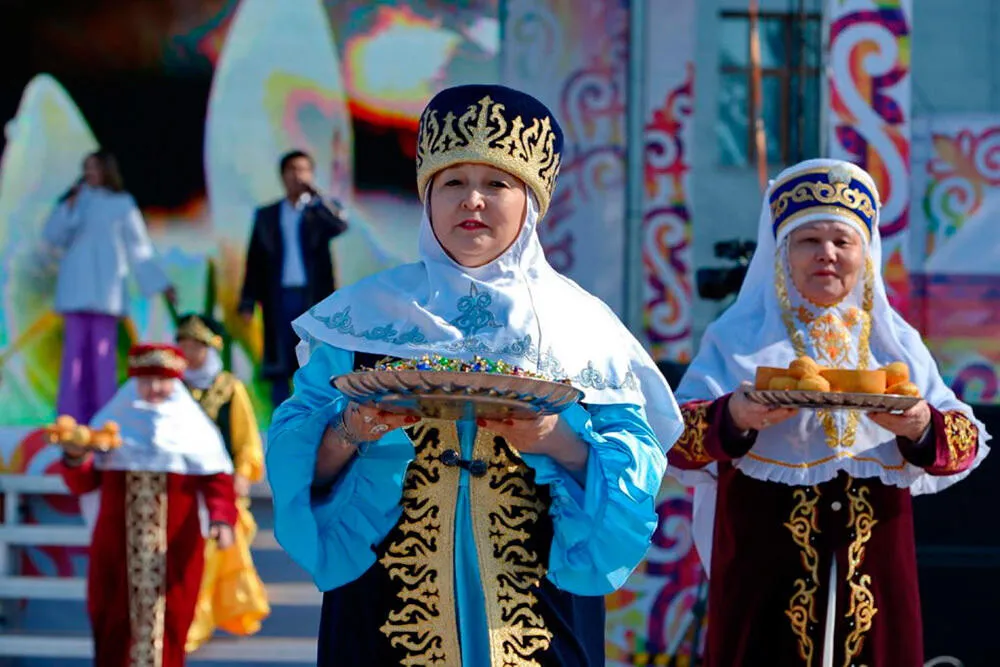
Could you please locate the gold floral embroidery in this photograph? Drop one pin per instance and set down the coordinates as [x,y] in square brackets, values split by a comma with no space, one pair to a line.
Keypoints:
[423,624]
[831,337]
[508,508]
[146,560]
[803,524]
[962,438]
[691,444]
[217,395]
[853,317]
[861,519]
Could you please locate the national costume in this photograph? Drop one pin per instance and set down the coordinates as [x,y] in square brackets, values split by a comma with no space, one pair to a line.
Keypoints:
[149,504]
[504,559]
[232,597]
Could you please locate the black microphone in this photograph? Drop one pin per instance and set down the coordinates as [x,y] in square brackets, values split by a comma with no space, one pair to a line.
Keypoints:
[73,190]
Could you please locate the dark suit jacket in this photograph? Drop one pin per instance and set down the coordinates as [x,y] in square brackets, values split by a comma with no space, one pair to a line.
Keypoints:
[265,264]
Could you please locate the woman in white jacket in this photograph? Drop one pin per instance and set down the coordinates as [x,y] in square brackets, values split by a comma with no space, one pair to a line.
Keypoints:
[100,236]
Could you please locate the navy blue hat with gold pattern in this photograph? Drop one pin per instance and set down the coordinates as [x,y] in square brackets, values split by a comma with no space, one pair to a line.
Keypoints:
[494,125]
[818,189]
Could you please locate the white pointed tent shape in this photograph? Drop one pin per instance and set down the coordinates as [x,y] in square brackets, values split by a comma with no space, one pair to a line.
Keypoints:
[46,142]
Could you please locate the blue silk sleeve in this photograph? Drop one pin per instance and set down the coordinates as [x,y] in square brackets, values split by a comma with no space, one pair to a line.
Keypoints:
[333,533]
[603,528]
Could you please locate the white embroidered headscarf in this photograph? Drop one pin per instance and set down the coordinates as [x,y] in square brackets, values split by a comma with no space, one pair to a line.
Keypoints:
[516,308]
[770,324]
[173,436]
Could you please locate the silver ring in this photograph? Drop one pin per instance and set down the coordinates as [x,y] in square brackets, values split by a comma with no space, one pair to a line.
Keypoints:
[378,428]
[368,419]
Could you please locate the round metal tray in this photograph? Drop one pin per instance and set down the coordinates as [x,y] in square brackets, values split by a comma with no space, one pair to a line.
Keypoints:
[452,395]
[831,400]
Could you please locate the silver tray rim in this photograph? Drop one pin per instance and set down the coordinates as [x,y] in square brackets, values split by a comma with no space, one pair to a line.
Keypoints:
[830,400]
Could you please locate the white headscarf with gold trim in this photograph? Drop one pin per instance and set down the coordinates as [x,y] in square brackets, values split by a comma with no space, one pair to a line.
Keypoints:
[770,324]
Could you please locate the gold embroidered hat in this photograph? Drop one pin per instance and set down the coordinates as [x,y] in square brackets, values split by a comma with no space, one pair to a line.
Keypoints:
[818,188]
[200,328]
[494,125]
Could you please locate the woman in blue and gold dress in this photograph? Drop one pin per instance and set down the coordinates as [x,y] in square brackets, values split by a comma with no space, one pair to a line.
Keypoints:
[429,560]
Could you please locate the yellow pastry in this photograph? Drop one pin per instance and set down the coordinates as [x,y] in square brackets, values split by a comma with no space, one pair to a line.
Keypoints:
[803,367]
[862,382]
[813,383]
[783,384]
[65,423]
[81,436]
[896,373]
[904,389]
[767,373]
[101,440]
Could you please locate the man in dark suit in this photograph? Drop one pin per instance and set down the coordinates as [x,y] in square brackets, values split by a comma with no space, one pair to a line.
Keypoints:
[289,267]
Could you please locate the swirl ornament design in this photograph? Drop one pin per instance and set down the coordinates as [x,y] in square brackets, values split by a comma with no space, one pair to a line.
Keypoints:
[575,61]
[803,524]
[861,519]
[511,568]
[658,617]
[667,232]
[869,92]
[423,625]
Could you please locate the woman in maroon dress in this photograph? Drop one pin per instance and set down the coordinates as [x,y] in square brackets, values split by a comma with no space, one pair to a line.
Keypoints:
[170,476]
[804,518]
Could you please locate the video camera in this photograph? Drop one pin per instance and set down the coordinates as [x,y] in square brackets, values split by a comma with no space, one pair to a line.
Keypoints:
[716,284]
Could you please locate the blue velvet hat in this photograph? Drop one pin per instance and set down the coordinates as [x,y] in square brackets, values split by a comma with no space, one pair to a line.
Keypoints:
[824,188]
[494,125]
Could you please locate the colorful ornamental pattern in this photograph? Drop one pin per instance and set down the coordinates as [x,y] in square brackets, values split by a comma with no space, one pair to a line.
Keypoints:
[869,91]
[477,365]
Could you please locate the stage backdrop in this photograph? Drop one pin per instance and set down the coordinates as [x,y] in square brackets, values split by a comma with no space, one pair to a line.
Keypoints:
[574,57]
[246,81]
[207,99]
[956,248]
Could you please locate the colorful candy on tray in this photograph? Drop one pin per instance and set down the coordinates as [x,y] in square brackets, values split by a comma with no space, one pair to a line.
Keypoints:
[477,365]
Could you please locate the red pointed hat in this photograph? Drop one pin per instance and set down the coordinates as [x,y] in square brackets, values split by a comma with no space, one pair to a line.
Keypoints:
[156,360]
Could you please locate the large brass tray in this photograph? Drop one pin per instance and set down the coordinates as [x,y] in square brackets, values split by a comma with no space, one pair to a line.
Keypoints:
[456,395]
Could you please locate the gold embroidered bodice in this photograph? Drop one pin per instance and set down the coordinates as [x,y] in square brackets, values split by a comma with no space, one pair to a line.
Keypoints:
[508,513]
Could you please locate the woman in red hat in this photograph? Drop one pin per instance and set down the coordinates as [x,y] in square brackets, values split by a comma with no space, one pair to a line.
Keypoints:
[169,483]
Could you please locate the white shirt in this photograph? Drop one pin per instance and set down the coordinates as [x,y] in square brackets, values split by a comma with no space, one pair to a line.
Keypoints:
[104,239]
[294,271]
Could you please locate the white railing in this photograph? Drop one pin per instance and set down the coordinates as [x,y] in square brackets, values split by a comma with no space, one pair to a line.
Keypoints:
[15,534]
